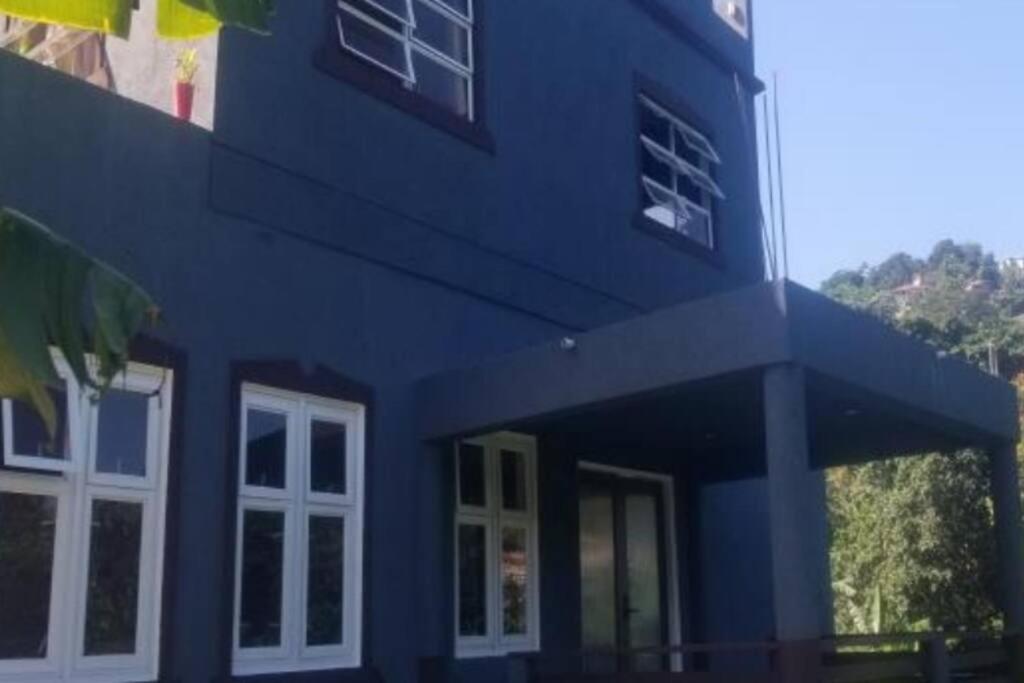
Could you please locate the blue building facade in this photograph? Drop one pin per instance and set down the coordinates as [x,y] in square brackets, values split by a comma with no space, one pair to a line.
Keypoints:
[398,205]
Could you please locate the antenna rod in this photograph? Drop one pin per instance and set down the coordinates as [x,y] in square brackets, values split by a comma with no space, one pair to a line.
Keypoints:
[771,177]
[782,186]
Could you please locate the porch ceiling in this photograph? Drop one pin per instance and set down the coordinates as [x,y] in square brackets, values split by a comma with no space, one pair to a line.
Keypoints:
[687,378]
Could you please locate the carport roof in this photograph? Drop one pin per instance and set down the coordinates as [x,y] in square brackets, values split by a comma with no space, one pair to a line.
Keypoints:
[914,395]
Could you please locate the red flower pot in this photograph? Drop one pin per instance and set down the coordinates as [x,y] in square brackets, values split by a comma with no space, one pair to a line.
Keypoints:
[184,94]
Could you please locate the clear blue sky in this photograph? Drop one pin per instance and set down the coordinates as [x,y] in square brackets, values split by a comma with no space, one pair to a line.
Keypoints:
[903,124]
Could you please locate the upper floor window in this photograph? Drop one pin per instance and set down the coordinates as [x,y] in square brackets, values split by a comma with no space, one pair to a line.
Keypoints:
[298,571]
[82,532]
[426,44]
[496,594]
[677,163]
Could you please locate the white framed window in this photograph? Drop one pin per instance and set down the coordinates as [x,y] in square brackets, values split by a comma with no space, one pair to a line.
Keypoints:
[82,544]
[497,588]
[298,555]
[427,44]
[676,174]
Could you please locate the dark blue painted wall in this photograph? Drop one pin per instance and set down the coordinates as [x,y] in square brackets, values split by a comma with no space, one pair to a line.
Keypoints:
[321,225]
[559,193]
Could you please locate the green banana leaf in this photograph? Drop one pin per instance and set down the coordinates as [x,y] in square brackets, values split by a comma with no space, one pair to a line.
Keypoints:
[176,19]
[44,282]
[107,16]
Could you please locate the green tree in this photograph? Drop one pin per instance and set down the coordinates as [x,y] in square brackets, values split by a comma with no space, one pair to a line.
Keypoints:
[912,538]
[51,291]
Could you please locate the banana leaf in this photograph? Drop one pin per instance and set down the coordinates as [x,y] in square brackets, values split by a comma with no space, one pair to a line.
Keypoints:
[106,16]
[44,284]
[176,19]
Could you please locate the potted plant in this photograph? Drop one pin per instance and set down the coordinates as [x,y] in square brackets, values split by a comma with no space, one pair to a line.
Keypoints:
[184,86]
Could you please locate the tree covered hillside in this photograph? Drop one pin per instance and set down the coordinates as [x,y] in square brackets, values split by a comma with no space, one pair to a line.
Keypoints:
[912,538]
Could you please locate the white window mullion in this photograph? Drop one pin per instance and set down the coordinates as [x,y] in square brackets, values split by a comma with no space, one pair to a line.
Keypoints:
[296,555]
[495,519]
[77,489]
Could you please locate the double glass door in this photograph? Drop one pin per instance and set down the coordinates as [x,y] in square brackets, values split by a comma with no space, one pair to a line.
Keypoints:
[622,570]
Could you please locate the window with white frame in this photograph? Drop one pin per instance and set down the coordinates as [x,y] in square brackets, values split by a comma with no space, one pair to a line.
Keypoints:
[676,174]
[82,518]
[426,44]
[496,568]
[298,561]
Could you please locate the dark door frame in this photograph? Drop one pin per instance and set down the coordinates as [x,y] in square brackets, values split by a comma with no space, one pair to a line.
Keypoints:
[619,483]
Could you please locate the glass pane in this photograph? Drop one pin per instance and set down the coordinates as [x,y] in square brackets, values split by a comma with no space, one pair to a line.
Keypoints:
[687,188]
[327,456]
[30,436]
[262,575]
[396,8]
[701,145]
[655,169]
[597,568]
[697,227]
[472,478]
[27,530]
[472,589]
[111,610]
[266,442]
[643,578]
[121,439]
[460,6]
[513,480]
[373,43]
[442,85]
[325,596]
[442,33]
[659,205]
[655,127]
[684,151]
[514,573]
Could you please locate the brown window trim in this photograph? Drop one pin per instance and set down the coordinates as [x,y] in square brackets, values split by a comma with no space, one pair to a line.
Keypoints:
[334,61]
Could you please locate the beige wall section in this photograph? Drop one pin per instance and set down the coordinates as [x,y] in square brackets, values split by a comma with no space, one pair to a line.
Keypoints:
[143,66]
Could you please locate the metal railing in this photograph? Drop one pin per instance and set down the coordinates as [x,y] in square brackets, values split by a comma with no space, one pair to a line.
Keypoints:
[935,657]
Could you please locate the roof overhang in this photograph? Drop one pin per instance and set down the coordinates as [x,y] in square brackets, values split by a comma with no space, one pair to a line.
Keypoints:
[898,386]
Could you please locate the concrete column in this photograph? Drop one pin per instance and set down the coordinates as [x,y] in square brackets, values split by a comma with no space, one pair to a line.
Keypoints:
[1010,546]
[798,523]
[1009,535]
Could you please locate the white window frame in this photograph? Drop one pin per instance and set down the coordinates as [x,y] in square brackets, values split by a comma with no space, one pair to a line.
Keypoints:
[683,208]
[494,519]
[405,34]
[298,502]
[76,487]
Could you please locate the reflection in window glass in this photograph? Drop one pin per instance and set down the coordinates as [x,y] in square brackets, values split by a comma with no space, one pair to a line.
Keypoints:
[111,611]
[472,481]
[441,33]
[441,84]
[266,439]
[514,571]
[30,435]
[262,557]
[324,597]
[367,40]
[597,568]
[327,457]
[513,481]
[27,530]
[472,544]
[121,439]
